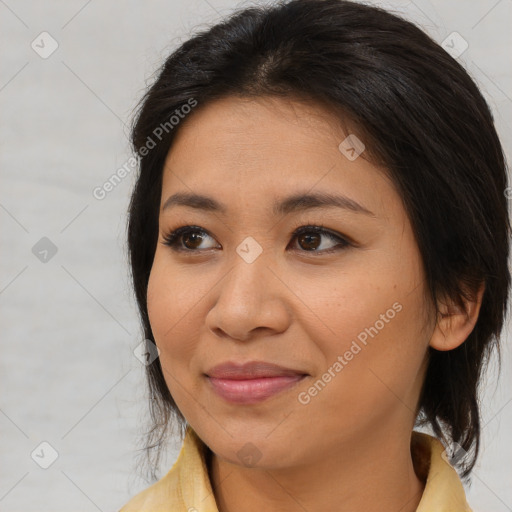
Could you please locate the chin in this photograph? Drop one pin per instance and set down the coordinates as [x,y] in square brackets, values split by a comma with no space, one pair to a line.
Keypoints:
[253,451]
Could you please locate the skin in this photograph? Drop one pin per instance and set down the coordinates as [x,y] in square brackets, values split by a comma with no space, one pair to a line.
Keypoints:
[296,308]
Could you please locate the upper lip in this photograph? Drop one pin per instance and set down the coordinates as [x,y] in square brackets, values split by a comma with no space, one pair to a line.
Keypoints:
[250,370]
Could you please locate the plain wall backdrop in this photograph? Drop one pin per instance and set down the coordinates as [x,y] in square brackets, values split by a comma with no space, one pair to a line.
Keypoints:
[71,74]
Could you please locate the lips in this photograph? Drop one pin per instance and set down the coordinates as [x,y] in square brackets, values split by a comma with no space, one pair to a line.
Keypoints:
[251,382]
[251,370]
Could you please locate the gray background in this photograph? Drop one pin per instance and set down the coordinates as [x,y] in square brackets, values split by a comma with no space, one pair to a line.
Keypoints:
[69,324]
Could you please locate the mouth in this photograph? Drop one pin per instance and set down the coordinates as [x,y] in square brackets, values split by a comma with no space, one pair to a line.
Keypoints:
[252,382]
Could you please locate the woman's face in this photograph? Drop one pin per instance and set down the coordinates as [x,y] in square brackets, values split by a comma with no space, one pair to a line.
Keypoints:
[345,308]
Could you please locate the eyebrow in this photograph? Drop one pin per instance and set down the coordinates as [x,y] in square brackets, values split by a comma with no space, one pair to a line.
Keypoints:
[290,204]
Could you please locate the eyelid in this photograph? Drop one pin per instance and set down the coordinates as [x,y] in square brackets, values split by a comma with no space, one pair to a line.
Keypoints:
[171,237]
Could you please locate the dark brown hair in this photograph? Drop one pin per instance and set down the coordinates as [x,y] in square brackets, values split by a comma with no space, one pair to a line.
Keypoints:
[422,117]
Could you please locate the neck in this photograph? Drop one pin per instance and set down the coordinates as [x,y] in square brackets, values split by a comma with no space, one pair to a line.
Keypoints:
[375,475]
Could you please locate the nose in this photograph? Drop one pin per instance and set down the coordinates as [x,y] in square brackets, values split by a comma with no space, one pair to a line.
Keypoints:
[251,299]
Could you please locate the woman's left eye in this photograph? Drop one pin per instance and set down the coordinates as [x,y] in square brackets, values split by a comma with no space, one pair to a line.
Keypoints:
[309,238]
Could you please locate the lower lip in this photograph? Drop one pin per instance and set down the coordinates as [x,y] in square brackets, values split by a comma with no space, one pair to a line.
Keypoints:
[252,390]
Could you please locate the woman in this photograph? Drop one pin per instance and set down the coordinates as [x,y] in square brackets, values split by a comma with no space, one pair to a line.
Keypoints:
[318,238]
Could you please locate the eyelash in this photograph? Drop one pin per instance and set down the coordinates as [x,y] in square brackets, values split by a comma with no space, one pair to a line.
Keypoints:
[172,238]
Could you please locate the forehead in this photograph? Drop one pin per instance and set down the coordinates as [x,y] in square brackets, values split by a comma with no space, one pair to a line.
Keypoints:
[265,148]
[239,121]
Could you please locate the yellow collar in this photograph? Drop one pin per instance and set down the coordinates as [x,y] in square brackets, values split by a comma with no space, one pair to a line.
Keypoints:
[186,487]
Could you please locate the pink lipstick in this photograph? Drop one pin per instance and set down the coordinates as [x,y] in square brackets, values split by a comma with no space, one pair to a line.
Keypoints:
[251,382]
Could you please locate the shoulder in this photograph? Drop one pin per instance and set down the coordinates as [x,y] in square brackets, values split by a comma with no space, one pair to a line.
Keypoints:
[185,488]
[443,490]
[162,496]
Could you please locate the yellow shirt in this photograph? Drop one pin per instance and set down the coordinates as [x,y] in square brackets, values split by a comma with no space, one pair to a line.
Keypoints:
[186,487]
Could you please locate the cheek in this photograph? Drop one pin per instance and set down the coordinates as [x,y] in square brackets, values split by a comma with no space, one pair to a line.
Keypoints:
[373,338]
[171,309]
[380,368]
[173,298]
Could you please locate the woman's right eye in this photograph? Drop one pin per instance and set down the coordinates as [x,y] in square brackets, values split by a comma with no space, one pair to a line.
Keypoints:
[187,239]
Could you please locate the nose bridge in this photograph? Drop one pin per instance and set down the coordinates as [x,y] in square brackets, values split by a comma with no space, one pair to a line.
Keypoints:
[250,274]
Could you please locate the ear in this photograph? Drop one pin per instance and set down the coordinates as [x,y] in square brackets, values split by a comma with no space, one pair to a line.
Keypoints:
[453,325]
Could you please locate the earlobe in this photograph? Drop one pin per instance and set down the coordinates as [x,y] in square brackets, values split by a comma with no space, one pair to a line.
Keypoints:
[454,325]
